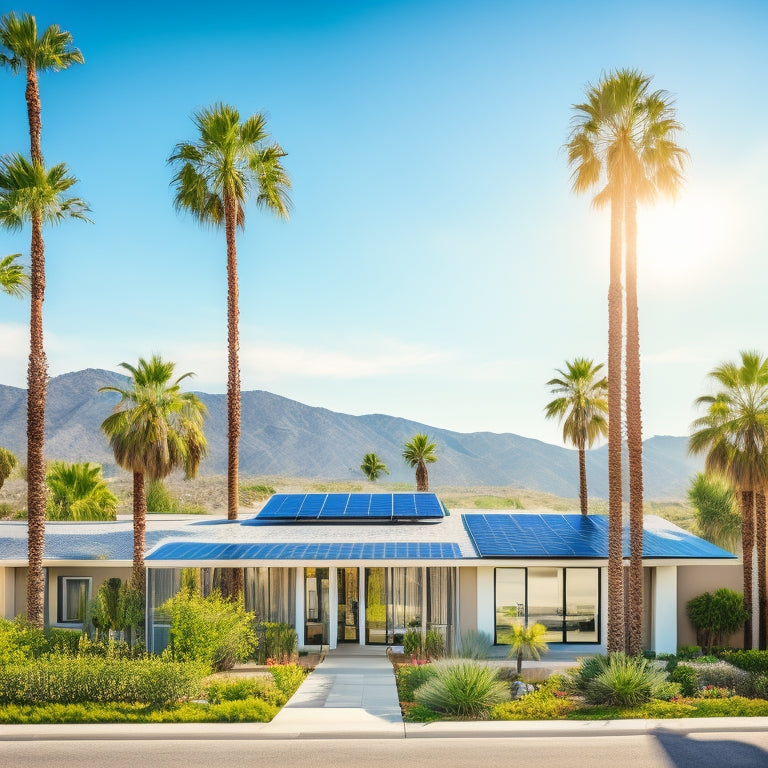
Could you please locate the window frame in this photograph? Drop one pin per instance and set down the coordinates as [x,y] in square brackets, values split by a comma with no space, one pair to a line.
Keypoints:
[62,606]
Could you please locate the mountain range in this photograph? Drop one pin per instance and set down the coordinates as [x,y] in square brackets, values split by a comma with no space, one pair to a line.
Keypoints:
[282,437]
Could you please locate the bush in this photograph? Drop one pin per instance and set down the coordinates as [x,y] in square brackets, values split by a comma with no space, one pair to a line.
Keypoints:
[539,705]
[20,641]
[716,615]
[474,645]
[161,500]
[464,688]
[434,644]
[751,661]
[688,679]
[278,641]
[688,652]
[723,675]
[412,642]
[210,630]
[253,492]
[288,677]
[760,686]
[217,691]
[74,680]
[617,679]
[410,677]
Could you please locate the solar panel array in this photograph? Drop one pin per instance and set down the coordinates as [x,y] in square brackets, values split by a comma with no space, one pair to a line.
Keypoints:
[575,535]
[411,550]
[357,507]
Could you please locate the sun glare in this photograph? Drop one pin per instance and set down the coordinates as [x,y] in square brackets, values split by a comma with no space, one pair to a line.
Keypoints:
[686,241]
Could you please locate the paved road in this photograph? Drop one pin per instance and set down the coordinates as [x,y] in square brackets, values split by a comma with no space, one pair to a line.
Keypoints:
[662,750]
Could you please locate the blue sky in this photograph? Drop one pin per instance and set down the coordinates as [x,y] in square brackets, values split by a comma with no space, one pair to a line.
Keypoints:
[436,265]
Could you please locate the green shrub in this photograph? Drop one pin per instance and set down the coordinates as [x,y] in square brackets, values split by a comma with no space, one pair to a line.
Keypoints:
[462,687]
[760,686]
[74,680]
[410,677]
[278,642]
[209,629]
[217,691]
[716,615]
[434,644]
[667,691]
[543,704]
[751,661]
[736,706]
[688,652]
[20,641]
[474,645]
[288,677]
[617,679]
[162,500]
[413,642]
[62,641]
[688,679]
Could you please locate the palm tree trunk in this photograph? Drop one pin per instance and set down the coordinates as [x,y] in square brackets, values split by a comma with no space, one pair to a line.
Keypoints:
[233,346]
[232,582]
[138,576]
[634,433]
[583,480]
[747,545]
[422,477]
[33,114]
[37,381]
[615,640]
[761,573]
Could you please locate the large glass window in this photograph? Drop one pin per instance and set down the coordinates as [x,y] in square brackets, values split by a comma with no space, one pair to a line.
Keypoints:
[162,585]
[393,603]
[317,608]
[271,594]
[441,608]
[565,600]
[74,594]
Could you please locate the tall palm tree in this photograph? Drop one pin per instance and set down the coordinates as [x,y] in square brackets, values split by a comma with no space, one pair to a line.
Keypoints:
[418,452]
[623,141]
[373,467]
[50,51]
[32,193]
[227,163]
[734,433]
[154,429]
[582,407]
[14,279]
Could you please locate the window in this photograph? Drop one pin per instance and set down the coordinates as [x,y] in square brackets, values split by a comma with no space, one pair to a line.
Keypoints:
[565,600]
[74,594]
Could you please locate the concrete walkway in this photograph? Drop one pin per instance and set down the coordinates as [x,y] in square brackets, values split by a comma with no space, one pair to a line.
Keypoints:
[351,693]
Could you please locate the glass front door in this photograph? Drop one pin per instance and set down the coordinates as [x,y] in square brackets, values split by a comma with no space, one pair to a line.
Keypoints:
[316,606]
[348,624]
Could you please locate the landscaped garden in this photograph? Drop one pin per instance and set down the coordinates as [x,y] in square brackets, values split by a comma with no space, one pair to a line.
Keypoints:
[62,676]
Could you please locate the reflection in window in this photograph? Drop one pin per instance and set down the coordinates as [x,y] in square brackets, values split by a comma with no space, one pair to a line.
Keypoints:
[74,594]
[565,600]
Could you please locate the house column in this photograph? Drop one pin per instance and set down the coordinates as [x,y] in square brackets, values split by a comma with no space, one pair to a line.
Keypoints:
[486,610]
[333,607]
[665,609]
[361,599]
[300,624]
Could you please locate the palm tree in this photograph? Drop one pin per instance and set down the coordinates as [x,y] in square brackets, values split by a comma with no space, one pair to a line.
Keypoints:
[623,140]
[526,642]
[373,467]
[32,193]
[14,279]
[418,453]
[215,175]
[52,50]
[154,429]
[734,434]
[78,492]
[716,510]
[582,407]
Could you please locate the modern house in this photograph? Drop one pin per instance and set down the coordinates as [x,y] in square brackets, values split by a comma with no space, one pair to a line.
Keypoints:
[364,568]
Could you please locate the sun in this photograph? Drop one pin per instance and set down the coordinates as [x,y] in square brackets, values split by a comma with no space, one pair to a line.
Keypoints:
[685,241]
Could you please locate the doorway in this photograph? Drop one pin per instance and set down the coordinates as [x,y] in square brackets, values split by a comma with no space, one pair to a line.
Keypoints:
[347,580]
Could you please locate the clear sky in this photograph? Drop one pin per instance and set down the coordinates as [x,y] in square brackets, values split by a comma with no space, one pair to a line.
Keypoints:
[436,265]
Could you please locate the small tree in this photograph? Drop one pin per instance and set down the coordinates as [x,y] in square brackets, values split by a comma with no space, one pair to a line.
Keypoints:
[7,465]
[373,467]
[418,452]
[716,615]
[526,642]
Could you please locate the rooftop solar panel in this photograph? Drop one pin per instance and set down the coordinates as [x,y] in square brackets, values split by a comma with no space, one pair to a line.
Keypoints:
[335,507]
[575,536]
[202,552]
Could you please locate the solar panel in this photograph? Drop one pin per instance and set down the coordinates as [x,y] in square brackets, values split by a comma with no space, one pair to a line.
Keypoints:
[576,536]
[335,507]
[393,550]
